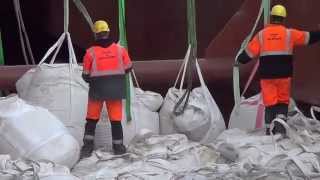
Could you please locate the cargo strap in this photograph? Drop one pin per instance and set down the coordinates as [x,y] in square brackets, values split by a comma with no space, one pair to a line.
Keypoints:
[123,42]
[264,7]
[189,63]
[24,38]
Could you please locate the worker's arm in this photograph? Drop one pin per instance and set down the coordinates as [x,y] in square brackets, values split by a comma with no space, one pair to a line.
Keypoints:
[300,38]
[87,63]
[126,61]
[314,37]
[252,51]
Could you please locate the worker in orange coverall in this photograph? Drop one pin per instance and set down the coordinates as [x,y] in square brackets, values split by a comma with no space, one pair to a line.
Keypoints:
[105,65]
[274,46]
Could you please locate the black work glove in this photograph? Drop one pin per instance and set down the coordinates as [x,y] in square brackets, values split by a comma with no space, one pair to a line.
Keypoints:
[86,77]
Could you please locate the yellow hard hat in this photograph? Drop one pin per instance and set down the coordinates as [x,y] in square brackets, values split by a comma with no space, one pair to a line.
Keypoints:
[279,10]
[100,26]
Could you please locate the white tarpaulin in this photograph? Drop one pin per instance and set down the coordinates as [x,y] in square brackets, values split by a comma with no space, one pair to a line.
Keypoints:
[34,133]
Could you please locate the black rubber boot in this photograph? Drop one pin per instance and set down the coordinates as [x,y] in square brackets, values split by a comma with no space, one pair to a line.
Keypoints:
[281,111]
[268,117]
[88,139]
[278,128]
[117,138]
[119,149]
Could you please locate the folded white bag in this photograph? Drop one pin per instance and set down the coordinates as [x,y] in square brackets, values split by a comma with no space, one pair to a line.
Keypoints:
[34,133]
[31,170]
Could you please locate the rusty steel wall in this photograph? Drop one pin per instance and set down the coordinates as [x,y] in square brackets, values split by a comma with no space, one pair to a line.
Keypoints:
[156,29]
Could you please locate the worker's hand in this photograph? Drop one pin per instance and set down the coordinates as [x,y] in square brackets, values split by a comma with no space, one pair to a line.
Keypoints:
[86,78]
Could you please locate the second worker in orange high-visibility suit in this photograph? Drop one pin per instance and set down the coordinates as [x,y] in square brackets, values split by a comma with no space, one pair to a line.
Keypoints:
[274,46]
[104,67]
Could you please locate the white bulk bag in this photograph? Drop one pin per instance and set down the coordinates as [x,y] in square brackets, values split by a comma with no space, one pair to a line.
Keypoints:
[201,121]
[58,88]
[34,133]
[31,170]
[249,114]
[144,107]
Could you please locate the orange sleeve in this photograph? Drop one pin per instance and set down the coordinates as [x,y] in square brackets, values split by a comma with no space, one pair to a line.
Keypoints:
[253,48]
[87,62]
[126,59]
[299,38]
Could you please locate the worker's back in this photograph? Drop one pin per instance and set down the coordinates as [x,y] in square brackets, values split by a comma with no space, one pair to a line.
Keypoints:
[274,40]
[274,44]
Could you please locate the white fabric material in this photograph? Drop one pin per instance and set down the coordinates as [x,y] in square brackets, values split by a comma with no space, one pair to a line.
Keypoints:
[144,107]
[314,109]
[275,157]
[149,157]
[58,88]
[201,121]
[32,170]
[33,132]
[249,113]
[245,115]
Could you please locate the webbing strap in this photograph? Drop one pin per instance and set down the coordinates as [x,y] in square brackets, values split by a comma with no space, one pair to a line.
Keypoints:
[189,63]
[66,15]
[123,42]
[122,24]
[253,73]
[191,17]
[24,38]
[1,51]
[84,12]
[314,109]
[264,7]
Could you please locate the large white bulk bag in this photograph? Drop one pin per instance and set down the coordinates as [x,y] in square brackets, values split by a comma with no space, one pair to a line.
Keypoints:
[249,114]
[31,170]
[201,120]
[58,88]
[144,107]
[34,133]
